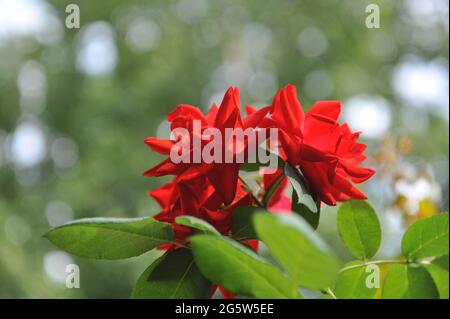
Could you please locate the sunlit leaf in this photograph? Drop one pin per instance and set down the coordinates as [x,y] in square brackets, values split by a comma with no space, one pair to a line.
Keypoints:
[359,228]
[239,269]
[409,282]
[438,269]
[196,223]
[111,238]
[352,283]
[295,245]
[427,238]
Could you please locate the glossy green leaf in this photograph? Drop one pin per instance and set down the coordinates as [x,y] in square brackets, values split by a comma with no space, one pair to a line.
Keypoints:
[352,283]
[302,210]
[441,262]
[302,189]
[359,228]
[196,223]
[111,238]
[239,269]
[409,282]
[438,270]
[242,224]
[295,245]
[426,238]
[173,276]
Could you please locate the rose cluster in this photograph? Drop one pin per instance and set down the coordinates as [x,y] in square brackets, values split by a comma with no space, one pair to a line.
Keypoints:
[326,153]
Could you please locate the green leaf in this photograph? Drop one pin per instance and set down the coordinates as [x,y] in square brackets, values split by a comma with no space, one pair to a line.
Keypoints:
[173,276]
[197,223]
[295,245]
[242,224]
[426,238]
[111,238]
[351,283]
[239,269]
[305,212]
[302,200]
[301,188]
[359,228]
[441,262]
[409,282]
[438,269]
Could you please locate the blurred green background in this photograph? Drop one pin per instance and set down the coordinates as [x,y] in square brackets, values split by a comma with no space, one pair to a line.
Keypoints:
[76,105]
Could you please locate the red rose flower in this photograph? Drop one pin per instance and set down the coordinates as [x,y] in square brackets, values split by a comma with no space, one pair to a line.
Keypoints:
[326,152]
[223,176]
[199,199]
[196,198]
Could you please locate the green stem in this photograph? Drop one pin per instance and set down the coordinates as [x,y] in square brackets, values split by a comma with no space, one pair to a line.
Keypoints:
[253,195]
[331,293]
[376,262]
[273,188]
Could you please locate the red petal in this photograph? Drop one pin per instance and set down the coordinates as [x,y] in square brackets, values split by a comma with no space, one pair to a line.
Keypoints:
[317,176]
[287,111]
[185,110]
[247,200]
[348,190]
[291,93]
[165,168]
[255,118]
[311,154]
[189,202]
[291,146]
[194,171]
[212,114]
[224,177]
[249,110]
[357,174]
[226,293]
[329,109]
[163,194]
[228,107]
[161,146]
[253,244]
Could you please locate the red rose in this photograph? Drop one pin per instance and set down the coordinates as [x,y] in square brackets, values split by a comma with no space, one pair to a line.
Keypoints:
[199,199]
[196,198]
[223,176]
[326,152]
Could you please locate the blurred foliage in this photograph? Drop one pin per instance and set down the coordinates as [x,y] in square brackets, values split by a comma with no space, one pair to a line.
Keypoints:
[199,48]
